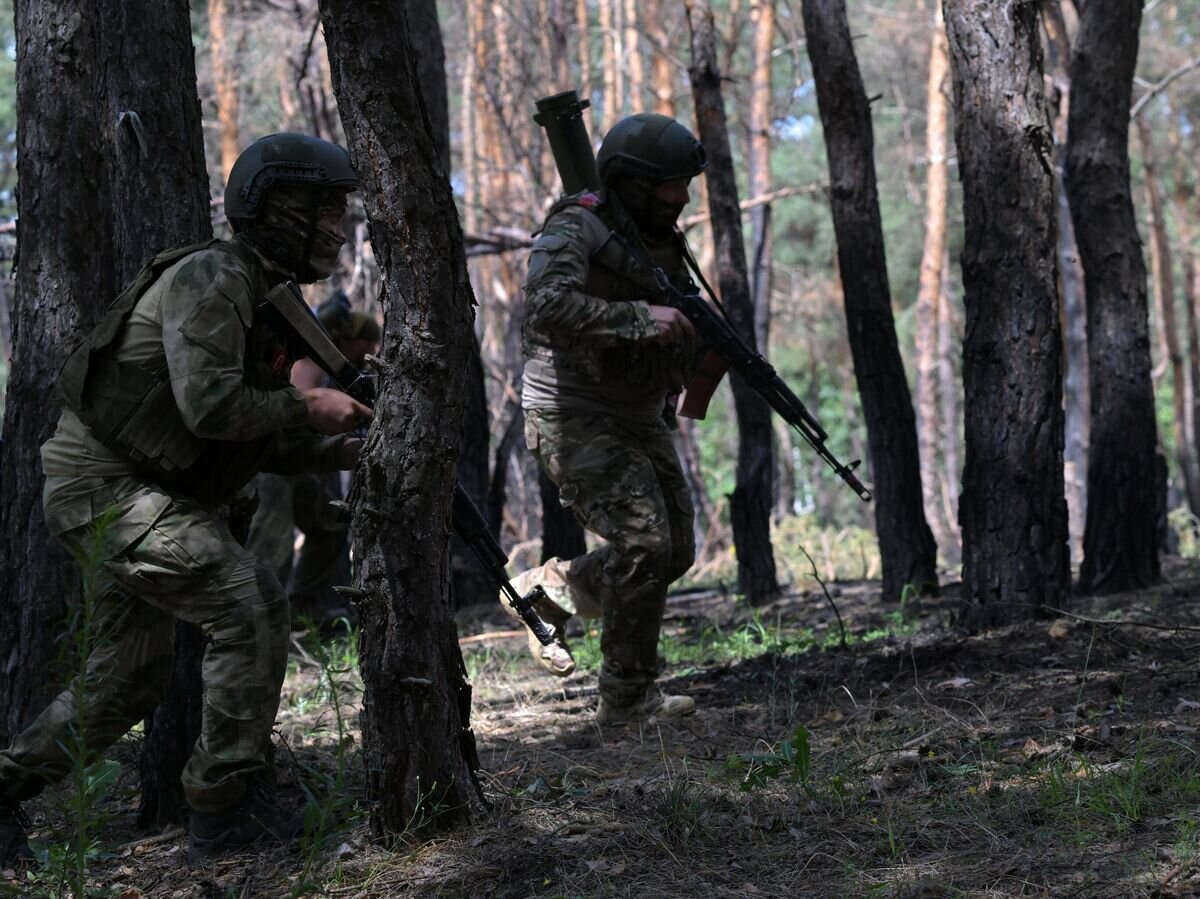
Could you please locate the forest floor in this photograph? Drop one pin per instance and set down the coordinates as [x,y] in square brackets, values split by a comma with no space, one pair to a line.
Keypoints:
[1052,758]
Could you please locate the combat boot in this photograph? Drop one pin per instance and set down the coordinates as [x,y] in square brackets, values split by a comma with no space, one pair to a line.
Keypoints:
[13,826]
[651,708]
[555,658]
[258,820]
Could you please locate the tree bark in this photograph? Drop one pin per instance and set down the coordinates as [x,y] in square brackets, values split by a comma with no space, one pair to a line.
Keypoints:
[758,168]
[906,545]
[154,147]
[1013,512]
[662,72]
[419,751]
[750,504]
[1119,547]
[1074,309]
[610,65]
[633,55]
[470,582]
[63,279]
[1181,199]
[937,189]
[1164,301]
[226,84]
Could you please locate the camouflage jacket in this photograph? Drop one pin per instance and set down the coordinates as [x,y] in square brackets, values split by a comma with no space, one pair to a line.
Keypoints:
[181,379]
[587,301]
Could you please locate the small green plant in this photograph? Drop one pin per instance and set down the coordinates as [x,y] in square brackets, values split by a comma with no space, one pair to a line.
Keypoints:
[331,806]
[789,760]
[679,812]
[65,867]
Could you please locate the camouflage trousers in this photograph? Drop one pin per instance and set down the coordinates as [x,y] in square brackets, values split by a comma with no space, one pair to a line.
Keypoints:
[302,501]
[162,557]
[624,483]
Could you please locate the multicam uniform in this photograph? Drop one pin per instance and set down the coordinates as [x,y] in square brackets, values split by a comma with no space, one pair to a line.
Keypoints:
[595,393]
[172,404]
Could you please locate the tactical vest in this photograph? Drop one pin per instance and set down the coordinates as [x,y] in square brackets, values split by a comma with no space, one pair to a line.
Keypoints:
[614,275]
[131,408]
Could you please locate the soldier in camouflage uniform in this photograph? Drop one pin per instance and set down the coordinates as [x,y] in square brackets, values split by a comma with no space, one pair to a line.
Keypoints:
[286,504]
[176,399]
[603,366]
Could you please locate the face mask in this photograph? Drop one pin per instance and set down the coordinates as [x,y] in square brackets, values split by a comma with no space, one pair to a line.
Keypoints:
[286,230]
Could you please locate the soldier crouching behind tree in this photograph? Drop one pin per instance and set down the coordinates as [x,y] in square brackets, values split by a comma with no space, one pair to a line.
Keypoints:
[604,365]
[172,404]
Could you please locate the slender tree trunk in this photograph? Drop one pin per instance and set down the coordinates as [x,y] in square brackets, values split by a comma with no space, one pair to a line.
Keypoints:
[937,190]
[584,24]
[1013,512]
[470,582]
[420,752]
[155,152]
[1182,202]
[610,65]
[1120,551]
[63,280]
[662,73]
[949,384]
[226,82]
[633,56]
[1074,310]
[758,165]
[1164,299]
[906,545]
[750,504]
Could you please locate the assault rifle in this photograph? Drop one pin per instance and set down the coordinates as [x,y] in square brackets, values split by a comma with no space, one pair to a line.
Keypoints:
[561,115]
[284,308]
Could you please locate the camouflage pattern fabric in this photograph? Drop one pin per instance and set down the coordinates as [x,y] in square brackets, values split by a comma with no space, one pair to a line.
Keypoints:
[323,561]
[624,483]
[165,556]
[196,389]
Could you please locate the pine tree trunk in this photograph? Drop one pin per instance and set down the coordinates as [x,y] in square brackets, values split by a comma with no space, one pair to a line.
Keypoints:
[469,579]
[662,73]
[758,168]
[1074,310]
[633,56]
[1181,199]
[1013,512]
[937,188]
[1120,551]
[906,545]
[1164,300]
[63,281]
[226,84]
[750,504]
[948,348]
[155,153]
[610,66]
[419,751]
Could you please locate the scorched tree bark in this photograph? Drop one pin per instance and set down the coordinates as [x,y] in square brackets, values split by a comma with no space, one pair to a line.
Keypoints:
[906,544]
[419,750]
[1013,512]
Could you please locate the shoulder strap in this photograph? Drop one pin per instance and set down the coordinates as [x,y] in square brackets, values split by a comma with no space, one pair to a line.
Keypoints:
[72,380]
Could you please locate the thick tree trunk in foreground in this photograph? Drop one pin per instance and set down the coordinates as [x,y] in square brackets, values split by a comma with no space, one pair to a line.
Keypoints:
[1013,513]
[929,293]
[906,545]
[63,281]
[469,579]
[1120,551]
[420,752]
[750,504]
[154,147]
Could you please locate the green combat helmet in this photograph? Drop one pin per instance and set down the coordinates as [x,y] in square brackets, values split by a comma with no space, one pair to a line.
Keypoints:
[297,160]
[650,146]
